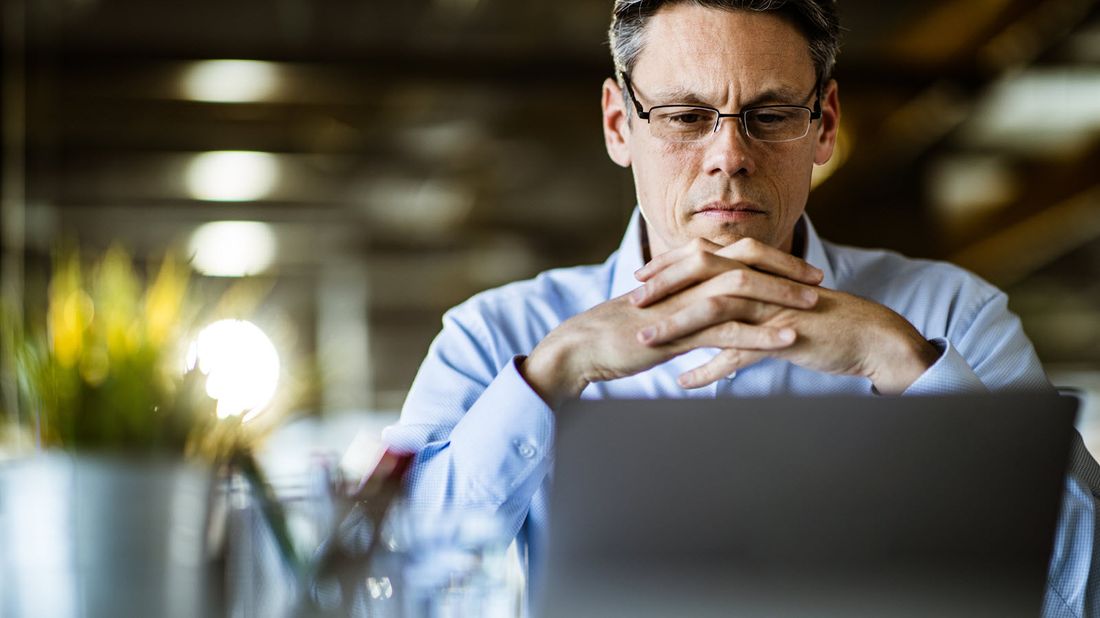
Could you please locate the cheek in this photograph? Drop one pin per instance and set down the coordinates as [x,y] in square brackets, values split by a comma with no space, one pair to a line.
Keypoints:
[683,165]
[663,174]
[793,178]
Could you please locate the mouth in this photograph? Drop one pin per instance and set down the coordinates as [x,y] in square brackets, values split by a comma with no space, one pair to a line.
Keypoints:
[726,211]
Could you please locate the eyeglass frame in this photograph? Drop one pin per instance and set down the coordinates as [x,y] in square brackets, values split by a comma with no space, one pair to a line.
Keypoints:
[815,113]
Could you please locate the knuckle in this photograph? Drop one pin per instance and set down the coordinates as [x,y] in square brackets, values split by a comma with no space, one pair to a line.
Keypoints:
[757,311]
[737,279]
[748,245]
[698,259]
[660,329]
[713,307]
[731,332]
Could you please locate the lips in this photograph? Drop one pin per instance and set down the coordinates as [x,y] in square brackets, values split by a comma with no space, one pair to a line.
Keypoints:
[729,209]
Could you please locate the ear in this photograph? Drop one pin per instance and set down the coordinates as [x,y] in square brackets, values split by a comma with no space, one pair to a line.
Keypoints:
[830,123]
[616,123]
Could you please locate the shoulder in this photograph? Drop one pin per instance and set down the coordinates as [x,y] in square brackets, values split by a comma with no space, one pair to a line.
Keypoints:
[516,316]
[882,267]
[925,291]
[560,291]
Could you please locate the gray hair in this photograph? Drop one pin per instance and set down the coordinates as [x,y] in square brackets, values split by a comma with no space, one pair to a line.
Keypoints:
[817,20]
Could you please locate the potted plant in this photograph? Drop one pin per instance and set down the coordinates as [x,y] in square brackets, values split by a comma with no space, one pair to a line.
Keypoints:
[107,514]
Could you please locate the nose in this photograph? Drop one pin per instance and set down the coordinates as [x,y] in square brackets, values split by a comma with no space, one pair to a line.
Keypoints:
[729,150]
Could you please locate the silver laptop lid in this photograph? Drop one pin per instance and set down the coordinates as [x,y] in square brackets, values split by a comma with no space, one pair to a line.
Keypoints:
[805,506]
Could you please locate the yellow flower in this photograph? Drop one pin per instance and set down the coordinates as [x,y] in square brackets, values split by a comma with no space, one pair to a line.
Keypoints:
[164,300]
[116,296]
[69,314]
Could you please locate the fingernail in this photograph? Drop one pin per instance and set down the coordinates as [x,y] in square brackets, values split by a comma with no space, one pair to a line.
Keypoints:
[647,334]
[637,295]
[809,296]
[638,273]
[786,335]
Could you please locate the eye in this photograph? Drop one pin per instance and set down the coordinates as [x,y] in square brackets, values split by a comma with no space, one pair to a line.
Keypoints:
[686,118]
[772,116]
[682,118]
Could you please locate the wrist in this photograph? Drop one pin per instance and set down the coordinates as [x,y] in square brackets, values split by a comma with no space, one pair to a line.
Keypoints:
[548,372]
[901,361]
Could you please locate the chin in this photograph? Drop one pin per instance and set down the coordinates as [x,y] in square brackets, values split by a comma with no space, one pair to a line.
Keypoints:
[727,233]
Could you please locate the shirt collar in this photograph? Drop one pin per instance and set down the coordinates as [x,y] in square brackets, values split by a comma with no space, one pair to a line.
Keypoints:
[814,253]
[630,255]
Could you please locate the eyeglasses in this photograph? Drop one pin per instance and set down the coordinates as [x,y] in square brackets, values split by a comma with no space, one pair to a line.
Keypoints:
[691,123]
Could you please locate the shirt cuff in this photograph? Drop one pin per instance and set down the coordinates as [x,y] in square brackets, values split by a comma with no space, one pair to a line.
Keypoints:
[507,435]
[949,375]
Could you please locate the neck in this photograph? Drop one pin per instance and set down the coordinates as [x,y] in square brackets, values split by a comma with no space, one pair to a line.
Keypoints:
[798,239]
[643,232]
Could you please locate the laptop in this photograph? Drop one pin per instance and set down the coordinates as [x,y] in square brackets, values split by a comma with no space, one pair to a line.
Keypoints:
[822,506]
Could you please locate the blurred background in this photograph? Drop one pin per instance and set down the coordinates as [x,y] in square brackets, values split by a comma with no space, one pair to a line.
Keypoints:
[370,164]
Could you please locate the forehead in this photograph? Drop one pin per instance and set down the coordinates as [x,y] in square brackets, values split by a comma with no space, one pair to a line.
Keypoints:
[716,51]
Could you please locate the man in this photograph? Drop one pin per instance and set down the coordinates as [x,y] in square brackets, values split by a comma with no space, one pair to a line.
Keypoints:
[721,287]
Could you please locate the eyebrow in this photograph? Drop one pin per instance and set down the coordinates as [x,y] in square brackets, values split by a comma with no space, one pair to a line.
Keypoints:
[771,96]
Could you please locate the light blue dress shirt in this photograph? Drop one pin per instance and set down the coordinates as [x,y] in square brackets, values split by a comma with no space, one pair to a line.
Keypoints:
[484,439]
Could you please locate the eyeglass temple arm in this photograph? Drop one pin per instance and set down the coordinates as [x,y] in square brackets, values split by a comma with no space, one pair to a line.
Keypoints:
[644,115]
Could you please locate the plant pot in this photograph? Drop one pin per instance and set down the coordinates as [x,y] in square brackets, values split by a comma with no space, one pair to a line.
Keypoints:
[91,536]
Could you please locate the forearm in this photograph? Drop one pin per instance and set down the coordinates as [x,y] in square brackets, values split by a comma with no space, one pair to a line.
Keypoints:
[990,352]
[492,457]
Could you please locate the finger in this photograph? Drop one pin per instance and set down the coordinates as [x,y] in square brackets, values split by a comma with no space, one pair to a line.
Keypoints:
[760,286]
[721,366]
[688,271]
[737,335]
[769,259]
[659,263]
[697,316]
[738,282]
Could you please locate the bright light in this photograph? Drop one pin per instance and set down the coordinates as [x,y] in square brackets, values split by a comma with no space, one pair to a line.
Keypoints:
[232,175]
[240,364]
[230,81]
[232,248]
[1039,110]
[965,185]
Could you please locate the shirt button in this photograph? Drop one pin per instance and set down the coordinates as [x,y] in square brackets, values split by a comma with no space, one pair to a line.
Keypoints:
[525,449]
[731,376]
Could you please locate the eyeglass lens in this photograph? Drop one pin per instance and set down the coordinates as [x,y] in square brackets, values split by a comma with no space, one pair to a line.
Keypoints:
[769,124]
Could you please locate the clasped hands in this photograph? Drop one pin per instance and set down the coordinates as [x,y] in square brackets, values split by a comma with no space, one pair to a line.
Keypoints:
[747,299]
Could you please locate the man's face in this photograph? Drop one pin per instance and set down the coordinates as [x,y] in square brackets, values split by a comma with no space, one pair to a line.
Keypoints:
[727,186]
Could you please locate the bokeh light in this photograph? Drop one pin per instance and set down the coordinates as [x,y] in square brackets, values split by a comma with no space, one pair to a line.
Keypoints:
[241,367]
